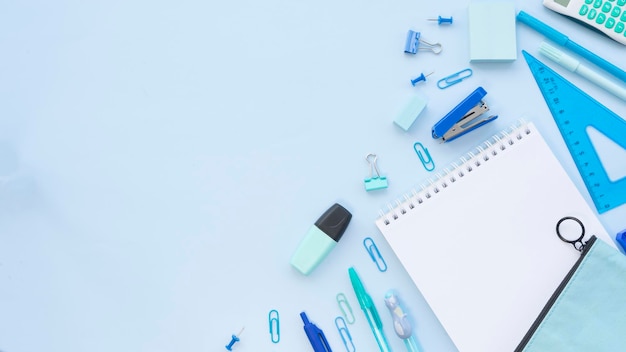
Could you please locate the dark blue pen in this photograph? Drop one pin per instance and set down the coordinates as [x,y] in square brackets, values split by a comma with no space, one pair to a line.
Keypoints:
[315,335]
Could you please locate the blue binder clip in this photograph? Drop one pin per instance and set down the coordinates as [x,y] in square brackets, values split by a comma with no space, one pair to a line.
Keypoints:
[412,44]
[375,181]
[464,118]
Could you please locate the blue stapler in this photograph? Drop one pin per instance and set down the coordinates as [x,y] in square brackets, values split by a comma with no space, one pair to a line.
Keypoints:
[465,117]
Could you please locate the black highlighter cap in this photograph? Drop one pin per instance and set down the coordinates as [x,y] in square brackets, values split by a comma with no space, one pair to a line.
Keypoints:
[334,221]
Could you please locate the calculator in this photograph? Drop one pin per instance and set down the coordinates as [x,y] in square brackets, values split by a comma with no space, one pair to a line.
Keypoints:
[606,16]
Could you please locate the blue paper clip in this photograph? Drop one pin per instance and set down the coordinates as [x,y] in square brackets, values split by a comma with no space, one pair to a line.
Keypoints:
[464,118]
[345,334]
[454,78]
[274,326]
[427,161]
[372,250]
[345,308]
[375,181]
[412,44]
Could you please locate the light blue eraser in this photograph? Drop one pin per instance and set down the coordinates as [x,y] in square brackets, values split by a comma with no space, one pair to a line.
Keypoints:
[410,113]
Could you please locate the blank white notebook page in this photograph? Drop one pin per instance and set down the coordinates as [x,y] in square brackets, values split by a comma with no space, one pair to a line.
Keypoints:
[480,242]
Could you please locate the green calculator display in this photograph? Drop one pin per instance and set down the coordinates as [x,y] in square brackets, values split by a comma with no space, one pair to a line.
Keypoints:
[607,16]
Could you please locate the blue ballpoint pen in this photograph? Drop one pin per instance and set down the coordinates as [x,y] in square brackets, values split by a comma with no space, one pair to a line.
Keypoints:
[316,335]
[564,41]
[369,309]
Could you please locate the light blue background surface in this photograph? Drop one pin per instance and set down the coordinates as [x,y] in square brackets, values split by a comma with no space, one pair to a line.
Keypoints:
[161,161]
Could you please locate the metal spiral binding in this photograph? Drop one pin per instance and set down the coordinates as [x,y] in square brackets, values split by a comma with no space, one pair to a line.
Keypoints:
[467,164]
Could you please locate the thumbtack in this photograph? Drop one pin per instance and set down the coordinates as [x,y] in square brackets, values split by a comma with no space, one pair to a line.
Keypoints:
[235,338]
[441,20]
[420,78]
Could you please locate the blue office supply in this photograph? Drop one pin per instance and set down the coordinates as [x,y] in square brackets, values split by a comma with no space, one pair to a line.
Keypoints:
[573,65]
[346,309]
[420,78]
[464,118]
[345,334]
[492,31]
[411,112]
[621,239]
[574,111]
[316,335]
[234,338]
[454,78]
[274,326]
[442,20]
[374,253]
[424,155]
[401,322]
[369,309]
[375,181]
[321,238]
[564,41]
[413,41]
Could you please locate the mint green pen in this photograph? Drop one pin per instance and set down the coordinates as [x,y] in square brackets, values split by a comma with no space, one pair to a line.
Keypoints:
[369,309]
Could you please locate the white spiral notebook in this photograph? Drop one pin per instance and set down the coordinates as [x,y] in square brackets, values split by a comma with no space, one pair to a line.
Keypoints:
[479,242]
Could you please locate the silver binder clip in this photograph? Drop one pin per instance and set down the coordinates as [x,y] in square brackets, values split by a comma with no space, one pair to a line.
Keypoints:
[465,117]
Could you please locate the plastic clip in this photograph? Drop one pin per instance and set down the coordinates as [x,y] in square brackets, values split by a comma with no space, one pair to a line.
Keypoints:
[345,334]
[454,78]
[424,155]
[345,308]
[413,41]
[274,326]
[375,181]
[374,253]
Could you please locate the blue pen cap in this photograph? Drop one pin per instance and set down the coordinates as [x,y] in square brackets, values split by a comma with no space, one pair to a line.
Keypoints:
[321,238]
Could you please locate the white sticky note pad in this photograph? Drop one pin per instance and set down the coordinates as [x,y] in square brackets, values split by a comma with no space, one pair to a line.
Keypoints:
[492,31]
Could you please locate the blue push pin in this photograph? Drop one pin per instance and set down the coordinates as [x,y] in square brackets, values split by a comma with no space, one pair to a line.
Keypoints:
[235,338]
[420,78]
[441,20]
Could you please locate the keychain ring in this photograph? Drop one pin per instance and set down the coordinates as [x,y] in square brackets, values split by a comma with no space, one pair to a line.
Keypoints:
[582,232]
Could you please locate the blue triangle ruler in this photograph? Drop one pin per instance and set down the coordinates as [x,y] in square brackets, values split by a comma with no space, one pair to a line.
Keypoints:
[574,111]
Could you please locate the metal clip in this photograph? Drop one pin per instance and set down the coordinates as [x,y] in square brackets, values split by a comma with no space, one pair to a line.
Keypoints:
[274,326]
[375,181]
[413,41]
[454,78]
[427,162]
[345,334]
[345,308]
[372,250]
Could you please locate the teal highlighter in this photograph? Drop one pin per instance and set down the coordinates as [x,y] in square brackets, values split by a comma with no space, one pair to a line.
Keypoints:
[321,238]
